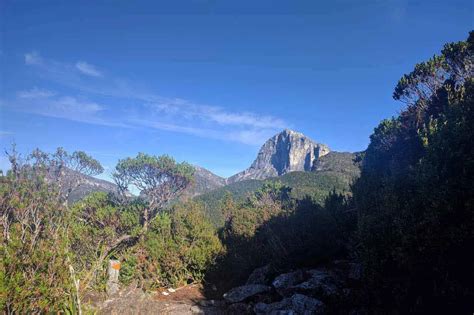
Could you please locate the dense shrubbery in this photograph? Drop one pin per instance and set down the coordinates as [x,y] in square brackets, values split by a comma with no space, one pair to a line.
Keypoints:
[336,171]
[415,194]
[270,227]
[34,273]
[178,248]
[52,253]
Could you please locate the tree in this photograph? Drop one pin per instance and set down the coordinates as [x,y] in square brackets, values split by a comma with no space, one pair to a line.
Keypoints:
[34,273]
[63,169]
[415,194]
[455,63]
[160,179]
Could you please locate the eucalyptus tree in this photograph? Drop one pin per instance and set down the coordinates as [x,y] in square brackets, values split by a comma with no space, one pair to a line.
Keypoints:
[159,178]
[64,169]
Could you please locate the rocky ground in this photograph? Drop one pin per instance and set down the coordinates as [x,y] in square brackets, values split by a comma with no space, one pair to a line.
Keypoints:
[325,290]
[132,300]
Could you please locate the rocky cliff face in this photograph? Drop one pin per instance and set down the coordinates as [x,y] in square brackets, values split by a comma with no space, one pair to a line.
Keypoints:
[286,152]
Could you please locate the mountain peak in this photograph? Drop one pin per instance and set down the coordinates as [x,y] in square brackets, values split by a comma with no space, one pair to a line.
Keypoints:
[287,151]
[289,131]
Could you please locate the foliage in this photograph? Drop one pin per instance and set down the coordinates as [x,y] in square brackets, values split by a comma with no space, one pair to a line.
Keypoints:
[52,253]
[271,227]
[98,222]
[335,172]
[415,193]
[34,273]
[177,249]
[62,169]
[159,179]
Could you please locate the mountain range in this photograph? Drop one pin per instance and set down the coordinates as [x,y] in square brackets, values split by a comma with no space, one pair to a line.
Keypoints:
[286,152]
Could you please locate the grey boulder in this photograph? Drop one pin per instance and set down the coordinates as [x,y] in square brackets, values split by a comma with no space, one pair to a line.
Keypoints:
[244,292]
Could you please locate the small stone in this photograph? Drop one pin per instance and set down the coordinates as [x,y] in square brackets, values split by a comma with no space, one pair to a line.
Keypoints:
[196,310]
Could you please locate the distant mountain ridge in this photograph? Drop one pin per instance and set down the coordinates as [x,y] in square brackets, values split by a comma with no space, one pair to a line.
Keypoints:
[204,181]
[286,152]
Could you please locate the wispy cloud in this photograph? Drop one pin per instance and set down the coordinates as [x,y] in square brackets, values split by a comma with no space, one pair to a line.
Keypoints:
[63,107]
[250,137]
[149,110]
[216,114]
[33,58]
[35,93]
[88,69]
[4,133]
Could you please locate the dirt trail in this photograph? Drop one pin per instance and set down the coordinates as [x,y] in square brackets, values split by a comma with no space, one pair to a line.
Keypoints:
[131,300]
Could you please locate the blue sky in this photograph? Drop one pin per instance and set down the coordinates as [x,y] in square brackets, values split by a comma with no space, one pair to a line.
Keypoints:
[208,81]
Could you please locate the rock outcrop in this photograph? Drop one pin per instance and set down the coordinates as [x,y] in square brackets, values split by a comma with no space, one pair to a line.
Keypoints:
[285,152]
[321,290]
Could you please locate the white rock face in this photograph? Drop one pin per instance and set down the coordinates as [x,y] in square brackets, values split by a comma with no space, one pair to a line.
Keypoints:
[286,152]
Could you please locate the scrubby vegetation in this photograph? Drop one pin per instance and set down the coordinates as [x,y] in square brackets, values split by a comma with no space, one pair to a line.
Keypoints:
[271,227]
[415,194]
[52,253]
[335,171]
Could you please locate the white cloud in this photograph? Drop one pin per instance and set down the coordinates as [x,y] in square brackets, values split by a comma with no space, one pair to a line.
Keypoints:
[66,107]
[33,58]
[35,93]
[248,119]
[88,69]
[182,108]
[69,104]
[249,137]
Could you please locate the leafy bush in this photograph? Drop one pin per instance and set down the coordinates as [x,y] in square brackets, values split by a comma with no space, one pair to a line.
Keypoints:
[415,194]
[34,266]
[177,249]
[53,253]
